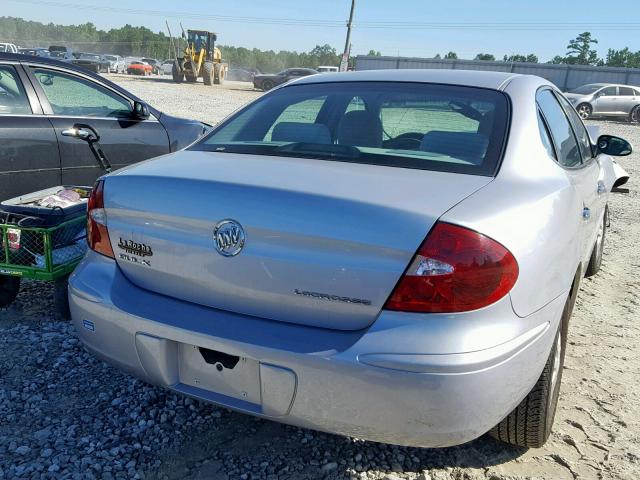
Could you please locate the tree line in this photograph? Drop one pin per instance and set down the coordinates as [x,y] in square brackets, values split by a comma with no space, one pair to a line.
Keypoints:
[142,42]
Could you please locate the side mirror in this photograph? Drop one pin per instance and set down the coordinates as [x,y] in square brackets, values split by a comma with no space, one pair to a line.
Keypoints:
[615,146]
[140,111]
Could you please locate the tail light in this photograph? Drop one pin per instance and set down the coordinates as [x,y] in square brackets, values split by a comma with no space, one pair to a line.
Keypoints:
[455,270]
[97,233]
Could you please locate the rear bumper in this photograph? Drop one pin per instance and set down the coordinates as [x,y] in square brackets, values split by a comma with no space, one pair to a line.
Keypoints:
[401,381]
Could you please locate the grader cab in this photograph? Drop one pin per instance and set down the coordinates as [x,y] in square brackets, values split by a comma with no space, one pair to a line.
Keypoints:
[201,59]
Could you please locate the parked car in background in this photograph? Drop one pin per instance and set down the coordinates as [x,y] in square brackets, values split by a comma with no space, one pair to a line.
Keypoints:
[91,61]
[139,68]
[61,52]
[606,100]
[36,52]
[166,66]
[240,75]
[116,63]
[8,48]
[268,81]
[40,98]
[155,64]
[340,254]
[327,69]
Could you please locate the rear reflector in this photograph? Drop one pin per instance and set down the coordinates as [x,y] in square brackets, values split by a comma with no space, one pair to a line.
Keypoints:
[455,270]
[97,233]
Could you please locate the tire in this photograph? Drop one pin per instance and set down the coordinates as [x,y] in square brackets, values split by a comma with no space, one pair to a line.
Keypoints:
[595,262]
[61,298]
[584,110]
[634,116]
[267,85]
[530,424]
[208,73]
[219,74]
[191,79]
[9,288]
[176,72]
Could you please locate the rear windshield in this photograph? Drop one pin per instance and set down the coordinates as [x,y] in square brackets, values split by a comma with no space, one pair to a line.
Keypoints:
[398,124]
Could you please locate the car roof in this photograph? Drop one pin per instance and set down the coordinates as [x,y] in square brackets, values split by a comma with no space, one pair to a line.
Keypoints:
[471,78]
[48,61]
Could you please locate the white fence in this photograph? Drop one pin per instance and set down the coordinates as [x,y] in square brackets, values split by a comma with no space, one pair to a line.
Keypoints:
[566,77]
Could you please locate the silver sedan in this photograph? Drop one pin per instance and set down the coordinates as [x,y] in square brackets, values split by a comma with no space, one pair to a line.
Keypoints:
[606,100]
[392,255]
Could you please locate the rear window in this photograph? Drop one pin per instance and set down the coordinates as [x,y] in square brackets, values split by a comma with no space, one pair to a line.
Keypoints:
[398,124]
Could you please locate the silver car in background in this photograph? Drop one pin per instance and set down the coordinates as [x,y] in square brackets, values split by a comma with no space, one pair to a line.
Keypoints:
[606,100]
[116,63]
[392,255]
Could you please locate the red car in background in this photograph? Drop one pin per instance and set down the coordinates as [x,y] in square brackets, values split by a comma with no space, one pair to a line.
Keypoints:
[139,68]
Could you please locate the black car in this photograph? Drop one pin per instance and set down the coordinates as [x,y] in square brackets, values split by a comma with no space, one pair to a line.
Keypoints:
[91,61]
[40,97]
[268,81]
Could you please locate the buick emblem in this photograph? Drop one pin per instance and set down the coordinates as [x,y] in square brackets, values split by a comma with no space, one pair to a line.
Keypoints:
[228,237]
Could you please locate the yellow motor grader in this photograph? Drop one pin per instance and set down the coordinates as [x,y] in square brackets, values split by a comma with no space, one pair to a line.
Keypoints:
[201,59]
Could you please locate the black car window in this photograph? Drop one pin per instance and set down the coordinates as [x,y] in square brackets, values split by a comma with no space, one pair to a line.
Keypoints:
[560,128]
[578,128]
[626,91]
[13,98]
[76,96]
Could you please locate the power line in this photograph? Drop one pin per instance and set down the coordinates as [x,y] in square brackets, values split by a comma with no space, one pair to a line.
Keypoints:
[389,24]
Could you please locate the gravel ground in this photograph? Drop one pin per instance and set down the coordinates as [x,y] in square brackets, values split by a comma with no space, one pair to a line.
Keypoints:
[190,100]
[64,414]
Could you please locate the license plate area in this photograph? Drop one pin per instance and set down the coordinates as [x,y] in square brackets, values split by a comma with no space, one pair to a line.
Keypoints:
[220,372]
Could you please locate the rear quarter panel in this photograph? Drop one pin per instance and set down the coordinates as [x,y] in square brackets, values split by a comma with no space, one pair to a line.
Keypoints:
[531,208]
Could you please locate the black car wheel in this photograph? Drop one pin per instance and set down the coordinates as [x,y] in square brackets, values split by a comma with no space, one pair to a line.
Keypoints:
[595,262]
[9,288]
[634,117]
[267,85]
[584,110]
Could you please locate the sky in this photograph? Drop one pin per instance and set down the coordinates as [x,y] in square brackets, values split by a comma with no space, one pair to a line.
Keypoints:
[414,28]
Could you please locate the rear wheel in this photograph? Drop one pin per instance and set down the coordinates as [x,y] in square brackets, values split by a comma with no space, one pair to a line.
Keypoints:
[595,262]
[9,288]
[584,110]
[208,73]
[61,298]
[530,424]
[267,85]
[176,72]
[634,117]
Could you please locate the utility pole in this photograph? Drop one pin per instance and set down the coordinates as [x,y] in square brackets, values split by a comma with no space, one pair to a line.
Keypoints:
[345,56]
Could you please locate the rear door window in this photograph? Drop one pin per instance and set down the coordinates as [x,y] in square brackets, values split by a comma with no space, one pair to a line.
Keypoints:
[70,95]
[626,91]
[563,137]
[13,98]
[409,125]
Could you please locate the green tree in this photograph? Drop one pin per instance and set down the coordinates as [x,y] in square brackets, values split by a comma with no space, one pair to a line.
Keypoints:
[485,56]
[451,56]
[579,51]
[374,53]
[530,58]
[622,58]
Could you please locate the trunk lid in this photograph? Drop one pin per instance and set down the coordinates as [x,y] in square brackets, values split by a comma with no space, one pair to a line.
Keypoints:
[325,242]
